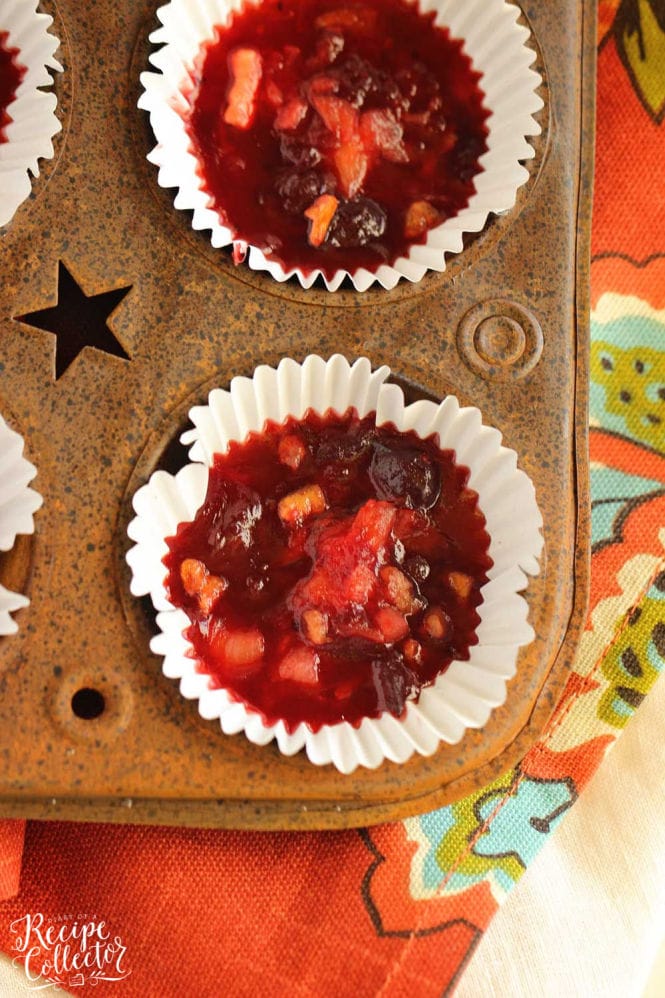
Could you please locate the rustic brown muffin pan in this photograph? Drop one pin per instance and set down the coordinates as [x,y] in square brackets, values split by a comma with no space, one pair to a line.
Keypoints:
[504,328]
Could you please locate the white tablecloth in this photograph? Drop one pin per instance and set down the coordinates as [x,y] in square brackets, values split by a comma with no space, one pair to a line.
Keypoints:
[587,918]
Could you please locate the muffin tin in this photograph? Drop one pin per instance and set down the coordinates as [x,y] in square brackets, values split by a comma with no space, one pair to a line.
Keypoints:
[89,728]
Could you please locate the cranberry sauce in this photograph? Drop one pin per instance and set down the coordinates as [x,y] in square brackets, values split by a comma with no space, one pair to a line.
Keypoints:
[11,74]
[334,135]
[333,570]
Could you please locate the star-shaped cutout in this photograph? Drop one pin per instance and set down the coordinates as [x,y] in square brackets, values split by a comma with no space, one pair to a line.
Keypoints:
[78,321]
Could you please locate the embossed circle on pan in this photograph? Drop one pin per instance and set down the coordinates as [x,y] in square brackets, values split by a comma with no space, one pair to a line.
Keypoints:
[500,340]
[476,245]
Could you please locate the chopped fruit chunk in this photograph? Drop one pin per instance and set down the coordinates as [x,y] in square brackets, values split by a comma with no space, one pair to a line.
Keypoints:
[298,506]
[246,70]
[382,133]
[300,665]
[351,164]
[460,583]
[238,648]
[193,574]
[420,217]
[315,626]
[399,590]
[243,647]
[435,623]
[346,558]
[291,451]
[361,19]
[212,590]
[320,215]
[198,581]
[360,629]
[392,624]
[360,584]
[338,116]
[374,523]
[412,650]
[290,114]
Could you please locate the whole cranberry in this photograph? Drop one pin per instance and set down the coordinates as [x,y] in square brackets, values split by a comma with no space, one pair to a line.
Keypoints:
[299,190]
[357,223]
[405,474]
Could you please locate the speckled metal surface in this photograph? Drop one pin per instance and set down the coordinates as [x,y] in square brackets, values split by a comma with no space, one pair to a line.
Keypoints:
[191,320]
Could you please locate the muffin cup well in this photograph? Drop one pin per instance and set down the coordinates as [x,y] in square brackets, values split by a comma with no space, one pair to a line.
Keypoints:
[498,48]
[461,697]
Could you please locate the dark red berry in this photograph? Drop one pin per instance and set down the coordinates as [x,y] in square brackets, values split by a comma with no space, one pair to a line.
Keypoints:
[357,223]
[405,475]
[299,190]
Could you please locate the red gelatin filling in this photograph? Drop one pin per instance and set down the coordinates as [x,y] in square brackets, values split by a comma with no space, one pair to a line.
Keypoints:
[11,74]
[333,570]
[334,135]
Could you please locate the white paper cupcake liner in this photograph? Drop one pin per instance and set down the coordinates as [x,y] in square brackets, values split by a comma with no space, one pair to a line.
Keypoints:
[33,123]
[498,48]
[465,694]
[18,503]
[9,602]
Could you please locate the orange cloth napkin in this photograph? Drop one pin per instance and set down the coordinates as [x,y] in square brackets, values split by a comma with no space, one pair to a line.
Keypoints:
[11,850]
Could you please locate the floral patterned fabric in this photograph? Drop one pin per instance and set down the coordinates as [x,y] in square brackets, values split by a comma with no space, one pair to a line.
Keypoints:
[398,909]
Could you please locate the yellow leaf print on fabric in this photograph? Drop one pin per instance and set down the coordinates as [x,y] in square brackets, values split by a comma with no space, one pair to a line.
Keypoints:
[634,383]
[636,659]
[641,39]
